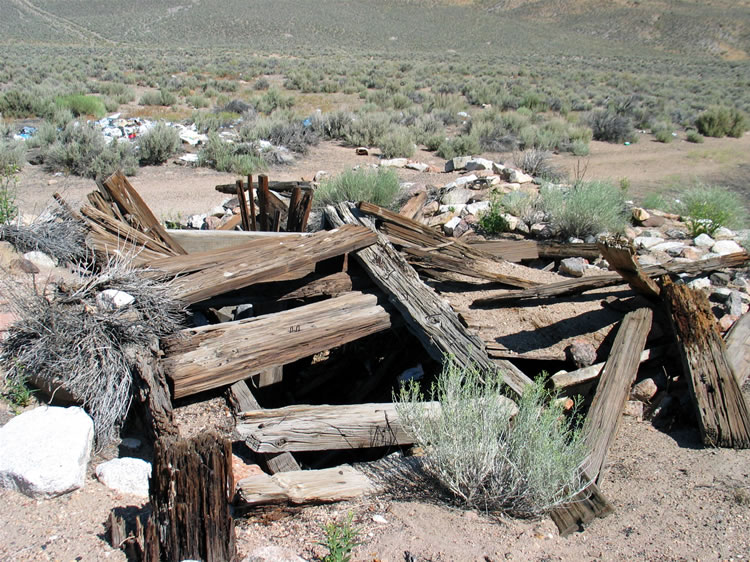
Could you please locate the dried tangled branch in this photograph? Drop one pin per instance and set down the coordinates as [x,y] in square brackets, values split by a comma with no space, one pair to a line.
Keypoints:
[56,233]
[67,340]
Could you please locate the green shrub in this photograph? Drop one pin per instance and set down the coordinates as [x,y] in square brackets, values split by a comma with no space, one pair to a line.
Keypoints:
[376,186]
[162,97]
[524,466]
[464,145]
[197,101]
[25,103]
[492,220]
[585,209]
[654,201]
[663,133]
[606,125]
[80,104]
[207,122]
[236,158]
[340,540]
[272,100]
[707,208]
[158,144]
[537,163]
[82,151]
[12,155]
[281,130]
[721,122]
[336,124]
[8,184]
[524,205]
[397,143]
[367,129]
[694,136]
[261,83]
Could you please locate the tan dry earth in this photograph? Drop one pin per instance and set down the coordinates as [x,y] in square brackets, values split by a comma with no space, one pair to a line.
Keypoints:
[673,498]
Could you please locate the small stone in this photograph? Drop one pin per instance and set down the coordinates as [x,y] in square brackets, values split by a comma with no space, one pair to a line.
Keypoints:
[575,267]
[40,259]
[721,294]
[272,553]
[458,208]
[478,207]
[111,299]
[462,228]
[647,241]
[196,221]
[320,175]
[439,220]
[724,247]
[430,209]
[479,164]
[218,211]
[380,519]
[211,223]
[126,475]
[457,197]
[644,390]
[541,230]
[457,163]
[654,221]
[640,214]
[418,166]
[669,247]
[700,284]
[241,469]
[633,409]
[517,176]
[449,226]
[498,168]
[720,279]
[523,228]
[726,322]
[723,233]
[648,260]
[704,241]
[24,266]
[465,180]
[691,253]
[361,151]
[734,304]
[582,353]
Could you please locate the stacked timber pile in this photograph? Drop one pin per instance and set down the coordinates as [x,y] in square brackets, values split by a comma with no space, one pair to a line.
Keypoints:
[308,334]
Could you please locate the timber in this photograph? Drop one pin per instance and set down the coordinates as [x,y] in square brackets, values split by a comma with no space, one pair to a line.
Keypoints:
[188,491]
[576,286]
[339,483]
[427,316]
[241,398]
[738,348]
[207,357]
[322,428]
[586,506]
[414,205]
[602,421]
[262,262]
[621,258]
[592,372]
[230,188]
[723,415]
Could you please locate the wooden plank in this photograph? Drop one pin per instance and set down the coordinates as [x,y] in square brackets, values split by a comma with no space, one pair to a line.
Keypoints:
[592,372]
[576,286]
[294,216]
[327,485]
[738,348]
[253,224]
[263,204]
[244,211]
[228,188]
[621,258]
[605,413]
[582,510]
[242,400]
[427,316]
[509,250]
[120,189]
[230,224]
[262,262]
[324,427]
[199,359]
[413,206]
[197,241]
[722,412]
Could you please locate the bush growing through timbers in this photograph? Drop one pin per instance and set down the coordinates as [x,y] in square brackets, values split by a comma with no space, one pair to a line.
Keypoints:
[525,466]
[376,186]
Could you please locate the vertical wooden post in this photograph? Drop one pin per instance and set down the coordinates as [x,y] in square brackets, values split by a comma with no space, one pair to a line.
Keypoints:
[252,202]
[189,493]
[276,225]
[243,206]
[306,204]
[292,219]
[263,196]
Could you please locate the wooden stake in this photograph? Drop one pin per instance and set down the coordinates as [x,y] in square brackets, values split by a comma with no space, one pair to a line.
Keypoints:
[263,197]
[243,206]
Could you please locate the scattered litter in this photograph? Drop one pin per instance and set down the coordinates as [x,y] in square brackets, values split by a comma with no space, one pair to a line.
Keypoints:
[25,133]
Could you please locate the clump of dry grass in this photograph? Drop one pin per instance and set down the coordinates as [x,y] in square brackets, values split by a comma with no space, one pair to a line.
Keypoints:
[56,233]
[65,339]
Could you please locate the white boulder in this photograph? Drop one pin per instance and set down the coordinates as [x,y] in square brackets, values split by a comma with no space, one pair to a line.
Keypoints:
[127,475]
[40,259]
[44,452]
[724,247]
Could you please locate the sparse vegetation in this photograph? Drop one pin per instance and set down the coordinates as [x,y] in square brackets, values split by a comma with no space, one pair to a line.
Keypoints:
[492,220]
[525,466]
[340,539]
[376,186]
[158,144]
[722,122]
[707,208]
[611,127]
[80,104]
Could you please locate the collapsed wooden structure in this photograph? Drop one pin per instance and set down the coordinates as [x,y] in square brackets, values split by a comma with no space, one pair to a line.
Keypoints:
[312,293]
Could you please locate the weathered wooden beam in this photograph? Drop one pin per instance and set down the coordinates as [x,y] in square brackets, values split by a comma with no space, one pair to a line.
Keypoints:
[582,510]
[738,348]
[509,250]
[242,400]
[576,286]
[327,485]
[206,357]
[413,206]
[261,262]
[605,413]
[244,210]
[621,258]
[322,428]
[427,316]
[229,188]
[723,414]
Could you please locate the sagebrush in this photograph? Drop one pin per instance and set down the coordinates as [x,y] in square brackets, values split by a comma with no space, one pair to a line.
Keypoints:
[375,186]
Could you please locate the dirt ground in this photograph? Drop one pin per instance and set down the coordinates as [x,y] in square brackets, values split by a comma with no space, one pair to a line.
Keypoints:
[673,498]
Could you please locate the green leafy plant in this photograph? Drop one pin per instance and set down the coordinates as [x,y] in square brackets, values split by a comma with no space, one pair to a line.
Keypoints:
[585,209]
[492,220]
[376,186]
[485,456]
[340,539]
[707,208]
[17,389]
[694,137]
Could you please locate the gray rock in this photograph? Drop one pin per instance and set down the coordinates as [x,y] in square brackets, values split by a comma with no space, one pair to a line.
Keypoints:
[574,267]
[196,221]
[112,299]
[499,168]
[700,284]
[582,353]
[479,164]
[724,247]
[450,225]
[647,241]
[478,207]
[676,234]
[131,443]
[457,197]
[512,221]
[418,166]
[452,208]
[541,230]
[691,253]
[40,259]
[720,279]
[633,409]
[721,294]
[465,180]
[44,452]
[461,229]
[734,304]
[704,241]
[457,163]
[126,475]
[648,260]
[517,176]
[723,233]
[523,228]
[670,247]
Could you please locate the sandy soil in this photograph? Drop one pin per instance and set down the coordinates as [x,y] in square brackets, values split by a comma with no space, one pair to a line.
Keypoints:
[674,499]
